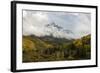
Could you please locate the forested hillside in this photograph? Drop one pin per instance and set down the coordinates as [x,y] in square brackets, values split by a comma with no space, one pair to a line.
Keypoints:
[48,48]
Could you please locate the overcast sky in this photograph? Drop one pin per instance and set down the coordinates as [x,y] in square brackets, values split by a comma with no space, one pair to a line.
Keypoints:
[39,23]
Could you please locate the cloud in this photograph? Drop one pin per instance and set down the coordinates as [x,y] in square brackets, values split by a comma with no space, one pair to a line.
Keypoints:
[83,27]
[35,23]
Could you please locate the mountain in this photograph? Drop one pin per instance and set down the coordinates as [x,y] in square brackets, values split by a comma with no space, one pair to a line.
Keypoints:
[59,28]
[54,25]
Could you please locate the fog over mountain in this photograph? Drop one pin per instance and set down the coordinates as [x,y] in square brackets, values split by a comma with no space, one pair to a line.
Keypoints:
[58,24]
